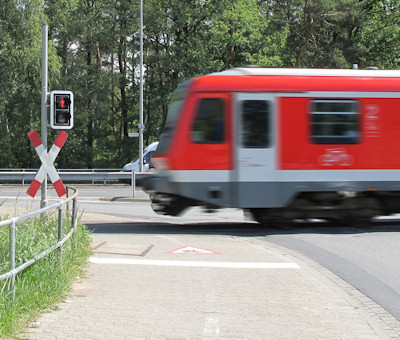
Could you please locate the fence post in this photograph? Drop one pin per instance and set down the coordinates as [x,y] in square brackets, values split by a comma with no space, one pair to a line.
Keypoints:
[67,198]
[12,255]
[133,183]
[60,230]
[73,213]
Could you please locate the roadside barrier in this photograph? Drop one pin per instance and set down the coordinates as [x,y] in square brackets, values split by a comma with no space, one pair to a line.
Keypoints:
[78,175]
[12,222]
[93,175]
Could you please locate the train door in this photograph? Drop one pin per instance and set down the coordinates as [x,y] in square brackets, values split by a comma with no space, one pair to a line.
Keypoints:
[255,161]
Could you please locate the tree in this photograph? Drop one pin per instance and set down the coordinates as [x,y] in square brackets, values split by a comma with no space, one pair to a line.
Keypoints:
[94,52]
[380,35]
[20,69]
[323,34]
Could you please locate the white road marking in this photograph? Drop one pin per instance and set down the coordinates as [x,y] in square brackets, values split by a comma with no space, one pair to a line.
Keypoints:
[240,265]
[211,326]
[192,250]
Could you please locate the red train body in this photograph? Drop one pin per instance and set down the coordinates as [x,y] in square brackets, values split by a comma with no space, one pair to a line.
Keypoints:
[283,144]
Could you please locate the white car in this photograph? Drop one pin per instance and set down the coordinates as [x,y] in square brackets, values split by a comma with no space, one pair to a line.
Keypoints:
[147,153]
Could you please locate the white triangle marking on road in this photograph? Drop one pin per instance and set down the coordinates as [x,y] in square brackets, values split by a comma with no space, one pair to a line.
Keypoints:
[191,250]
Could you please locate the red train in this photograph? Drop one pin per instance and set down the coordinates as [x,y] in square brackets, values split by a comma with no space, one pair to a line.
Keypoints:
[283,144]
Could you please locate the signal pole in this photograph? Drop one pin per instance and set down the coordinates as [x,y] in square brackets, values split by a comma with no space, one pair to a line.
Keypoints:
[43,126]
[141,126]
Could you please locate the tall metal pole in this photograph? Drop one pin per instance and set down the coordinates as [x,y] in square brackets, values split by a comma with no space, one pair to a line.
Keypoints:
[141,126]
[43,127]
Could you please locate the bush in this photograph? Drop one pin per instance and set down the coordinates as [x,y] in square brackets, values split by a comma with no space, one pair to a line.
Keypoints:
[44,284]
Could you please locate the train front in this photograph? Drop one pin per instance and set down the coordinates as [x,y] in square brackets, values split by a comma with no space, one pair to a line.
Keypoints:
[164,191]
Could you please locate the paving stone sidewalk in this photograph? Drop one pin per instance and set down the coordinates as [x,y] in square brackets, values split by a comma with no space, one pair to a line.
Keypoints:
[133,301]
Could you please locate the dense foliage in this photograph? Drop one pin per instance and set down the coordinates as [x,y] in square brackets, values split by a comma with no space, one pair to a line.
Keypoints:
[94,51]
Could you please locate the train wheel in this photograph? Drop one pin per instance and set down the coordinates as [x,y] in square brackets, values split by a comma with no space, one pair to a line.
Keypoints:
[164,204]
[268,218]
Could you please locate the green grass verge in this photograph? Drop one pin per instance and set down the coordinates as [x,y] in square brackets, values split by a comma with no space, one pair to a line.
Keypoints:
[44,284]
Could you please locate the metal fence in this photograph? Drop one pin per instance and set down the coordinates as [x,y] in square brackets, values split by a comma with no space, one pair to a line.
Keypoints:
[12,222]
[77,175]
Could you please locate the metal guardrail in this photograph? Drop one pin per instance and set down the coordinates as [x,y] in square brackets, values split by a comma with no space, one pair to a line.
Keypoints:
[74,175]
[93,175]
[12,222]
[60,169]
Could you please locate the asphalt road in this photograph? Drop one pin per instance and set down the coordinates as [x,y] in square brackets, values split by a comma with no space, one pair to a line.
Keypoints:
[368,259]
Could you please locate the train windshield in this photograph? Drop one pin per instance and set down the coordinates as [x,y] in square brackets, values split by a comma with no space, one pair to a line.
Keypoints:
[174,109]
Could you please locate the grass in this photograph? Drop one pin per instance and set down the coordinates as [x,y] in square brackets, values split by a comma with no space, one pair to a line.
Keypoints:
[44,284]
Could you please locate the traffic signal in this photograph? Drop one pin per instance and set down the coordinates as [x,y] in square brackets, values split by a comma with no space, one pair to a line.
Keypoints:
[61,109]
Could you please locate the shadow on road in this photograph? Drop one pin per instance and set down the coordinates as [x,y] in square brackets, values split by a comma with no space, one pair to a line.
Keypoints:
[249,229]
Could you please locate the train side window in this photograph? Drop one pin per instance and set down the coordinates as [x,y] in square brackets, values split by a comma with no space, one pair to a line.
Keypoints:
[335,121]
[209,125]
[256,129]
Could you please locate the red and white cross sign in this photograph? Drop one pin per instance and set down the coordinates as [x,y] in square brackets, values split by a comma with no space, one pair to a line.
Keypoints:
[47,167]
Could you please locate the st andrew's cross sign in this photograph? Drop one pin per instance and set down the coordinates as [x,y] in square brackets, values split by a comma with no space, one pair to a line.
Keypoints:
[47,159]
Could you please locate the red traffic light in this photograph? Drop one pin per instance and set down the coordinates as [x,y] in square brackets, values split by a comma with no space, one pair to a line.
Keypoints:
[63,101]
[62,109]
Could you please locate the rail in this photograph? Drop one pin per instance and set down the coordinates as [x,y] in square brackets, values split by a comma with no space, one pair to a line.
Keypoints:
[76,175]
[12,222]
